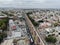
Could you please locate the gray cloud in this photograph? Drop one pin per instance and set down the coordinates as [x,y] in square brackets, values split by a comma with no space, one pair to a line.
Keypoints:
[30,3]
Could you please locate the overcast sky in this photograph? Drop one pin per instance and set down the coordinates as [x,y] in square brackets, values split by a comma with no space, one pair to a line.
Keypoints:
[30,3]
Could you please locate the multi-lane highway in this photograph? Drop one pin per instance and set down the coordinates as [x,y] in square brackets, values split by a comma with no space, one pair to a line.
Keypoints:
[33,30]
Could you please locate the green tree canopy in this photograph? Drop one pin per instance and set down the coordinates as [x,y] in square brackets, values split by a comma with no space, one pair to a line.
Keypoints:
[51,39]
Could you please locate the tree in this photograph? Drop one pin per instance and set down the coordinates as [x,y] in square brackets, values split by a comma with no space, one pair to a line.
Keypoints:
[2,35]
[40,21]
[33,21]
[29,13]
[1,39]
[3,23]
[56,24]
[3,26]
[51,39]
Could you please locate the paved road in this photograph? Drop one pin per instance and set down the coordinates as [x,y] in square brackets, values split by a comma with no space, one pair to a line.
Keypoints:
[33,28]
[8,42]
